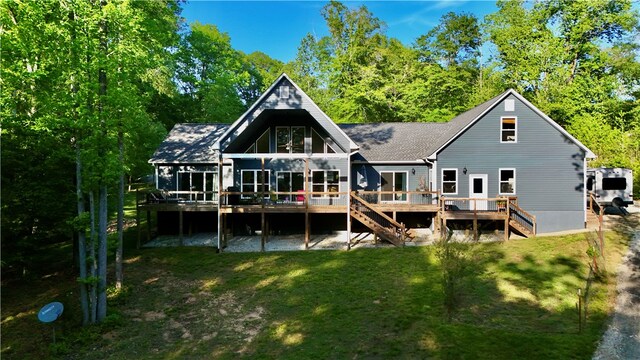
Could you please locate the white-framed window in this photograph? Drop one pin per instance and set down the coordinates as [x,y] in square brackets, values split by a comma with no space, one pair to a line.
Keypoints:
[509,105]
[449,181]
[261,146]
[325,181]
[507,181]
[319,145]
[290,139]
[251,182]
[394,181]
[198,182]
[508,129]
[290,181]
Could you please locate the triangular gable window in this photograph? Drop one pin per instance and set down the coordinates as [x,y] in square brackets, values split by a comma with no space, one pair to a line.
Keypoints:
[261,146]
[319,145]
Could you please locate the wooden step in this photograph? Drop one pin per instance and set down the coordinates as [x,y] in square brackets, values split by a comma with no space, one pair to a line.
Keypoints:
[519,228]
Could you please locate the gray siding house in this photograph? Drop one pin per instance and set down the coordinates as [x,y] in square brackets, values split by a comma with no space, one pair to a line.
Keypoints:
[285,160]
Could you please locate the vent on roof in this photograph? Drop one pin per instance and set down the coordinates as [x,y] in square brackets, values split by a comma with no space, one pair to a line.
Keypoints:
[284,92]
[509,105]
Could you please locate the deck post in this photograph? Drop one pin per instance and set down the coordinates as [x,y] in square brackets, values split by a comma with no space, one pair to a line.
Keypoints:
[306,204]
[506,223]
[263,220]
[219,206]
[148,225]
[475,220]
[139,230]
[180,231]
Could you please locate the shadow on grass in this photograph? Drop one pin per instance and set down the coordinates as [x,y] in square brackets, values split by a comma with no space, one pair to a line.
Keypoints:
[365,303]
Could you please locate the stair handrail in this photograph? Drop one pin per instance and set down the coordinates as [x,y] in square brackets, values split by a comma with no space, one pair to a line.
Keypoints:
[522,217]
[396,227]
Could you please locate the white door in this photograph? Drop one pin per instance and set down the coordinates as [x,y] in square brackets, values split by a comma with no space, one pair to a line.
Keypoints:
[478,189]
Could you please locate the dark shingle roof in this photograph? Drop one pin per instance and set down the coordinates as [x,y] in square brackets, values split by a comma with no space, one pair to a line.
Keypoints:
[409,141]
[395,141]
[189,143]
[405,141]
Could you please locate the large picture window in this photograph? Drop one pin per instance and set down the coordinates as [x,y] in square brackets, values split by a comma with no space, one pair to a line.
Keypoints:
[396,182]
[290,181]
[507,181]
[290,140]
[252,182]
[325,181]
[197,182]
[508,129]
[450,181]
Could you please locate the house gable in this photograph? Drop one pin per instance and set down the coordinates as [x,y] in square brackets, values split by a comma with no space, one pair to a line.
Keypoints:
[283,97]
[462,122]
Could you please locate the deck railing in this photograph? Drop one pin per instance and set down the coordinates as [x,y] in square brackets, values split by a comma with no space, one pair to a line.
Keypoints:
[167,197]
[284,198]
[522,218]
[393,228]
[399,197]
[474,204]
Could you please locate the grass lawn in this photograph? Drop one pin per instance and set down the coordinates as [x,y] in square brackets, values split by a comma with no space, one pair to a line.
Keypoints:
[519,302]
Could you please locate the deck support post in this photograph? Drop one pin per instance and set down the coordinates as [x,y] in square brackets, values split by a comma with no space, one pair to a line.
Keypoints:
[475,220]
[263,227]
[306,204]
[180,230]
[148,225]
[506,223]
[219,206]
[138,229]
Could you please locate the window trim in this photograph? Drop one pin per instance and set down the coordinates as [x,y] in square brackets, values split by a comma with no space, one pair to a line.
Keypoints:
[500,181]
[290,172]
[394,172]
[325,143]
[325,184]
[515,131]
[290,137]
[442,181]
[214,184]
[255,181]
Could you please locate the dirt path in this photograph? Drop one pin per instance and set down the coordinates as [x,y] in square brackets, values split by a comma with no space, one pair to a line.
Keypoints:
[622,338]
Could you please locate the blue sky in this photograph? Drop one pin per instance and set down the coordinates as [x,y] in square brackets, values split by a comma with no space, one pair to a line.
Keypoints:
[276,27]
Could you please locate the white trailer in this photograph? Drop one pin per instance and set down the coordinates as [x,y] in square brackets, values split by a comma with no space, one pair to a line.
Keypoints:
[612,186]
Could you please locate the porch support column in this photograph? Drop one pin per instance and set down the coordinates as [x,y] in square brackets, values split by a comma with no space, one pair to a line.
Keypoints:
[219,215]
[148,225]
[506,223]
[138,229]
[263,222]
[306,204]
[475,220]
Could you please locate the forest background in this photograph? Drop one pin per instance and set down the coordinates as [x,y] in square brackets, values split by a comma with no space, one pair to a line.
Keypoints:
[90,88]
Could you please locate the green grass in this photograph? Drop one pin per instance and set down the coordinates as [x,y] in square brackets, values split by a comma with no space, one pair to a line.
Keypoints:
[519,302]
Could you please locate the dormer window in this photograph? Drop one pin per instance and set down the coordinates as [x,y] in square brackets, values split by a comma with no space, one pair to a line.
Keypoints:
[508,129]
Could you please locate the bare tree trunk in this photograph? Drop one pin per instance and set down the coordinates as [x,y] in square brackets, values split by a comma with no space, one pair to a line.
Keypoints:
[93,297]
[119,273]
[82,251]
[102,192]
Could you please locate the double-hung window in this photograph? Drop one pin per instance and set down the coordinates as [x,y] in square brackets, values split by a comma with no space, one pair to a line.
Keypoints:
[450,181]
[290,139]
[325,181]
[252,182]
[507,181]
[508,129]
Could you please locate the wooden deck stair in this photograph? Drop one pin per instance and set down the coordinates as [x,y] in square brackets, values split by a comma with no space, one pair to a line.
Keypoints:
[521,221]
[380,224]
